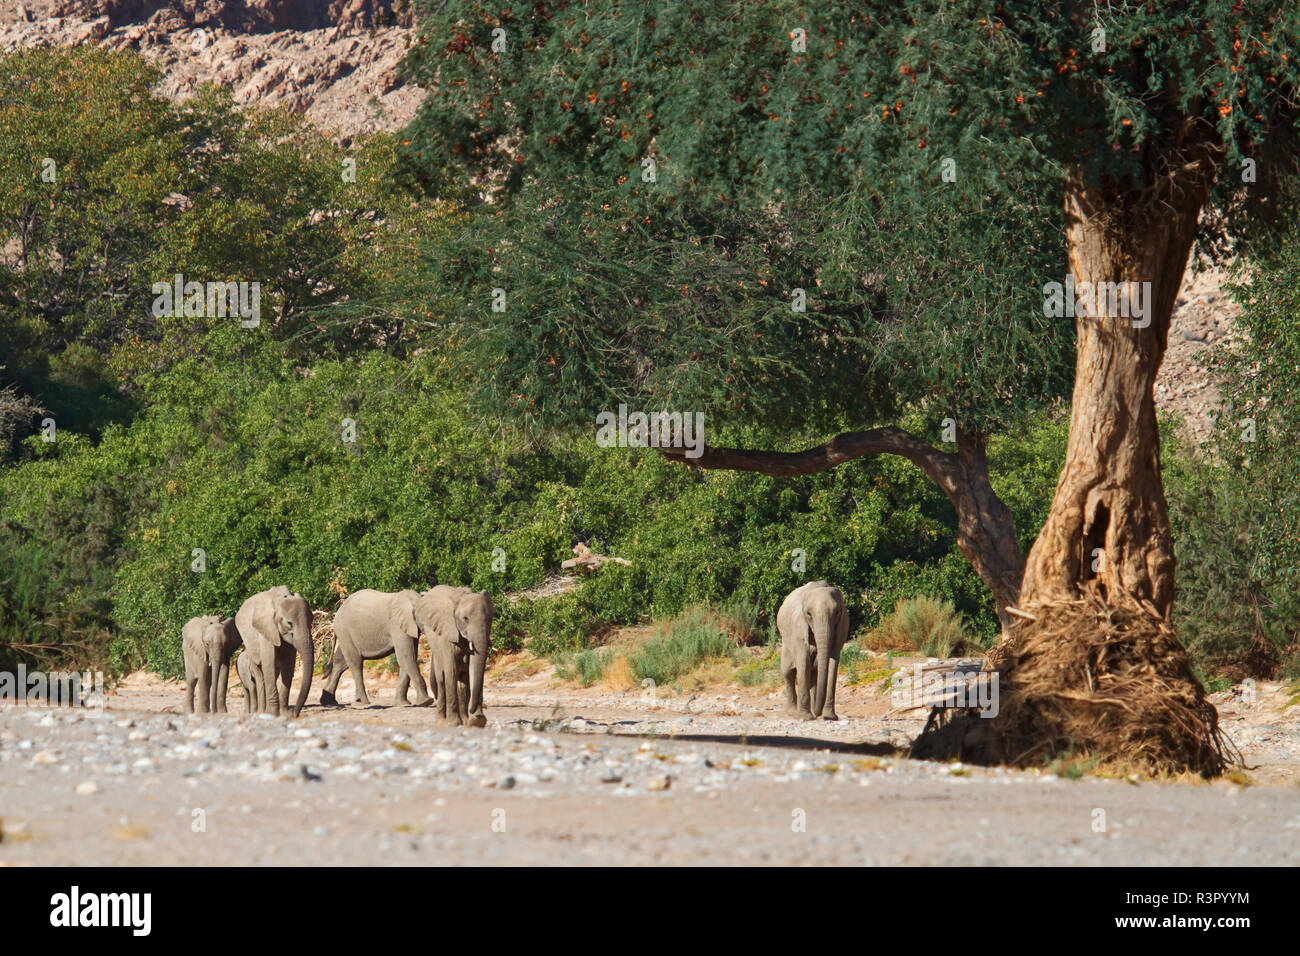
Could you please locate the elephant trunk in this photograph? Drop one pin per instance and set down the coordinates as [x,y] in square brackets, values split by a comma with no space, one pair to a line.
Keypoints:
[823,639]
[477,666]
[308,654]
[214,682]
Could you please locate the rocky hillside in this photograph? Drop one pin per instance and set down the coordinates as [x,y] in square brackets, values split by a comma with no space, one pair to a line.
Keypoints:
[336,62]
[1204,319]
[333,60]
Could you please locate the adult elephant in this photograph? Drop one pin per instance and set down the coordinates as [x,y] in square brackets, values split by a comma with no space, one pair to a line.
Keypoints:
[207,644]
[814,627]
[275,625]
[458,625]
[370,625]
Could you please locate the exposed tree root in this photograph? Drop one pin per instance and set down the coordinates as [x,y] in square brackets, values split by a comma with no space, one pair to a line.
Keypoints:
[1108,679]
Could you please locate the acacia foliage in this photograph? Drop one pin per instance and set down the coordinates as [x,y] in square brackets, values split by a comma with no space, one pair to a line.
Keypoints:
[717,93]
[824,314]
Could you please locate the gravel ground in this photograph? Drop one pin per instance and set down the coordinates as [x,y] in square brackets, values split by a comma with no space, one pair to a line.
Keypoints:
[589,778]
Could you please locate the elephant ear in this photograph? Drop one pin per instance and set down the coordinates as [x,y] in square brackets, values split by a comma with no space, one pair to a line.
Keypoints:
[191,633]
[435,613]
[790,620]
[401,616]
[265,619]
[842,625]
[487,602]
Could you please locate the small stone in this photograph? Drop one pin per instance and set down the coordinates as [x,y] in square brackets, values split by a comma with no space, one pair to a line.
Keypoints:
[87,788]
[661,782]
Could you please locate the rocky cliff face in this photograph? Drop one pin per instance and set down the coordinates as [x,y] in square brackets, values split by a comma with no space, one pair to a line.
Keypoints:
[333,60]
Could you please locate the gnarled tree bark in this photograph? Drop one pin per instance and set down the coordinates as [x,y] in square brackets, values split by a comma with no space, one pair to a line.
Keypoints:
[1108,526]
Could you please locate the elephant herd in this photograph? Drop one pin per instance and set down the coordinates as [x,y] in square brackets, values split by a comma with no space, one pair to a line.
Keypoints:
[274,629]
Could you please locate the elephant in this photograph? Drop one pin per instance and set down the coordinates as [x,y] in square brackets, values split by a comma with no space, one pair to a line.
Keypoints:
[207,642]
[370,625]
[275,625]
[814,627]
[458,624]
[248,678]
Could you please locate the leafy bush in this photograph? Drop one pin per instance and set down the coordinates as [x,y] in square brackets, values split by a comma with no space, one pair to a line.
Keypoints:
[1234,509]
[932,626]
[692,638]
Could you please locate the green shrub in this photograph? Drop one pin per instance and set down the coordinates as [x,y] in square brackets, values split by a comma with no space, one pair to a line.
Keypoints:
[761,670]
[692,638]
[586,666]
[932,626]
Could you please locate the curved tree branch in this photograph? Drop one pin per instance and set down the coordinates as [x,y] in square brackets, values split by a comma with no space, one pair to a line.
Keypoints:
[942,467]
[985,530]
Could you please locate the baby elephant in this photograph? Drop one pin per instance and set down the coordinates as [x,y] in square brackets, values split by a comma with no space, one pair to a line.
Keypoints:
[206,644]
[370,625]
[248,678]
[814,627]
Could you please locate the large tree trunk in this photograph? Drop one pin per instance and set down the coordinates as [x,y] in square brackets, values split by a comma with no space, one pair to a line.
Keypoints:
[1108,526]
[1093,666]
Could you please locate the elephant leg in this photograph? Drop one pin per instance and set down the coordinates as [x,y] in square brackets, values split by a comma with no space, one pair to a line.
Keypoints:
[400,693]
[791,707]
[270,671]
[284,672]
[337,668]
[462,698]
[803,680]
[410,667]
[189,693]
[471,718]
[263,695]
[205,688]
[356,664]
[446,671]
